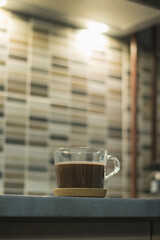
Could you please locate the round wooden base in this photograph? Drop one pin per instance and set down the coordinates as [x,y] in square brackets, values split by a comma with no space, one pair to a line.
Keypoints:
[80,192]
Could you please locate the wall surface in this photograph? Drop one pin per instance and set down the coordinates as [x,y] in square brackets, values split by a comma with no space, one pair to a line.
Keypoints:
[144,114]
[54,92]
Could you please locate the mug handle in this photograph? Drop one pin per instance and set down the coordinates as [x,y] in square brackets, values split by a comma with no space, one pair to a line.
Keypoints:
[116,166]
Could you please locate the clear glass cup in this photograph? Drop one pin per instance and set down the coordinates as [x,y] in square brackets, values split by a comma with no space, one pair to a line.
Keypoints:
[83,167]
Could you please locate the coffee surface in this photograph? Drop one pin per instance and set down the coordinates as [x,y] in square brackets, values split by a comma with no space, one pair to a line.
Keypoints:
[80,175]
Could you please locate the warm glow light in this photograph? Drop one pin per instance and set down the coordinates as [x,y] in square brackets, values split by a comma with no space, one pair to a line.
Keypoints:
[3,17]
[97,27]
[3,3]
[89,40]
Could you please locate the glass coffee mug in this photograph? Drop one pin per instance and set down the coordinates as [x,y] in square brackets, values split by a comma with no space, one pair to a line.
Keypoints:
[83,167]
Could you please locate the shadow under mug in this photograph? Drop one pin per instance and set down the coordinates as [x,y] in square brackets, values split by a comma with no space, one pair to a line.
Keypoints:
[83,167]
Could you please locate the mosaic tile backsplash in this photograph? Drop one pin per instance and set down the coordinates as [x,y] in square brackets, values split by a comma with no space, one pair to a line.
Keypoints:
[144,117]
[54,94]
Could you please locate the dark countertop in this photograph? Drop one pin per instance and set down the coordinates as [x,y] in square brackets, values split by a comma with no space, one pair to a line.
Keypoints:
[61,207]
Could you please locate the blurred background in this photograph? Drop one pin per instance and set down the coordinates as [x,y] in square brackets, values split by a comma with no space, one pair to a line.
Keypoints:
[79,73]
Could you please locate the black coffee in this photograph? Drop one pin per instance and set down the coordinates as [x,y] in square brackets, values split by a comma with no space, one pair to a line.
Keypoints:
[80,175]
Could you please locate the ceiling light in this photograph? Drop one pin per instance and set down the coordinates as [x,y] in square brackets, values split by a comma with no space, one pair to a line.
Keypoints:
[3,3]
[97,27]
[88,40]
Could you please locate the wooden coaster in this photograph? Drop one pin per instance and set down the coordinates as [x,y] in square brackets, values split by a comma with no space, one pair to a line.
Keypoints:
[80,192]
